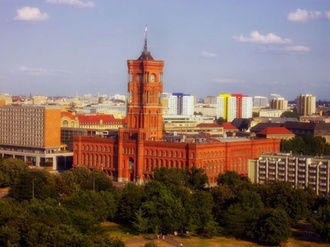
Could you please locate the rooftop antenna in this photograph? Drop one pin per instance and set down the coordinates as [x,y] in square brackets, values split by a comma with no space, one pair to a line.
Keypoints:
[145,49]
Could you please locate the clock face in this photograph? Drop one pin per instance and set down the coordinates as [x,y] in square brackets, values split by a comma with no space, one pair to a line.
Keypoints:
[139,77]
[152,78]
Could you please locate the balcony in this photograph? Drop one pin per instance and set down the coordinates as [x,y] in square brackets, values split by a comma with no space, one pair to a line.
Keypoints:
[291,180]
[262,172]
[271,173]
[323,172]
[323,184]
[312,171]
[281,168]
[312,183]
[292,169]
[302,165]
[301,176]
[312,177]
[262,166]
[291,175]
[281,174]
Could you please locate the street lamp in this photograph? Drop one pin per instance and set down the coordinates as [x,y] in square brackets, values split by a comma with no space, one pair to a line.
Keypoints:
[33,188]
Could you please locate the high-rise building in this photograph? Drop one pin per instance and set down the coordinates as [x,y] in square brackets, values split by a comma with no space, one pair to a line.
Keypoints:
[231,106]
[306,104]
[181,104]
[31,133]
[278,104]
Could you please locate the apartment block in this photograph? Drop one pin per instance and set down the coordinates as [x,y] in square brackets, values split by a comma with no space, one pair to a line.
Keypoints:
[301,171]
[31,133]
[306,104]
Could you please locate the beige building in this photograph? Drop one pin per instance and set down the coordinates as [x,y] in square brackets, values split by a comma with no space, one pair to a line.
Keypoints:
[33,134]
[306,104]
[278,104]
[300,171]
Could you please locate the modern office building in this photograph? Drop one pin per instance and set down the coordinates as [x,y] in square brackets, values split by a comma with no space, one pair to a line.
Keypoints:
[231,106]
[33,134]
[301,171]
[142,145]
[306,104]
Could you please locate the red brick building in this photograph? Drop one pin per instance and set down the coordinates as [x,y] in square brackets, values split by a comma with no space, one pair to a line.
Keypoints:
[141,146]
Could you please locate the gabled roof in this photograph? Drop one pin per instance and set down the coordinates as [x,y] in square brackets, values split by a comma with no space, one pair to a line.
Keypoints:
[275,131]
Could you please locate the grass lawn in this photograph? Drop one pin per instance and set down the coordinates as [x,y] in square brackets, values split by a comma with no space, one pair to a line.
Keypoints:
[132,240]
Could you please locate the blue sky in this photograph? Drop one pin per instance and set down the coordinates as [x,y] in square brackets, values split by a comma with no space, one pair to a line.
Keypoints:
[254,47]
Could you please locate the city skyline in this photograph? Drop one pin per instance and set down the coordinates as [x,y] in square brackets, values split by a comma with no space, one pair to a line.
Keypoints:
[64,47]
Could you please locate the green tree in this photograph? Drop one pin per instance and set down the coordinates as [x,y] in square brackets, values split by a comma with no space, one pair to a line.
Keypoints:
[33,184]
[241,217]
[164,210]
[131,199]
[101,205]
[11,170]
[273,227]
[202,214]
[197,179]
[220,120]
[321,222]
[290,114]
[140,222]
[170,177]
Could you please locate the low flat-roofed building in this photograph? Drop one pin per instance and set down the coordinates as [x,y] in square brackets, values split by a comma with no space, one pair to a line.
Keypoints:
[301,171]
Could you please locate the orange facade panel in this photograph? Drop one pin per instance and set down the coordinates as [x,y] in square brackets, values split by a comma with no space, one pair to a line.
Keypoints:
[52,127]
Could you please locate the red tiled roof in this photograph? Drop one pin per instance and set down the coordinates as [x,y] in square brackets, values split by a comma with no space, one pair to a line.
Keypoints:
[228,126]
[67,114]
[275,131]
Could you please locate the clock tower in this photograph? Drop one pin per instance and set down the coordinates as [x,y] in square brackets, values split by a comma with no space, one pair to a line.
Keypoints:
[145,88]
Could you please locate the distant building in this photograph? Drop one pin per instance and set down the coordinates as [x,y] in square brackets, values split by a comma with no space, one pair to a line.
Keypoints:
[278,104]
[231,106]
[6,99]
[181,104]
[301,171]
[306,104]
[210,100]
[260,101]
[32,133]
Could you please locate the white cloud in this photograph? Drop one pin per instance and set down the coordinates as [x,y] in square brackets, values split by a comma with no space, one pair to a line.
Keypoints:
[30,14]
[208,54]
[302,15]
[33,71]
[76,3]
[288,49]
[327,14]
[256,37]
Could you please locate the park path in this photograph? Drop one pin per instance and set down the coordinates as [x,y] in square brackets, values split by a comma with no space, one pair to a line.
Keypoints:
[172,241]
[167,239]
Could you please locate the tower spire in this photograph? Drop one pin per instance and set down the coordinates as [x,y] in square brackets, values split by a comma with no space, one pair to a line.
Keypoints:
[145,49]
